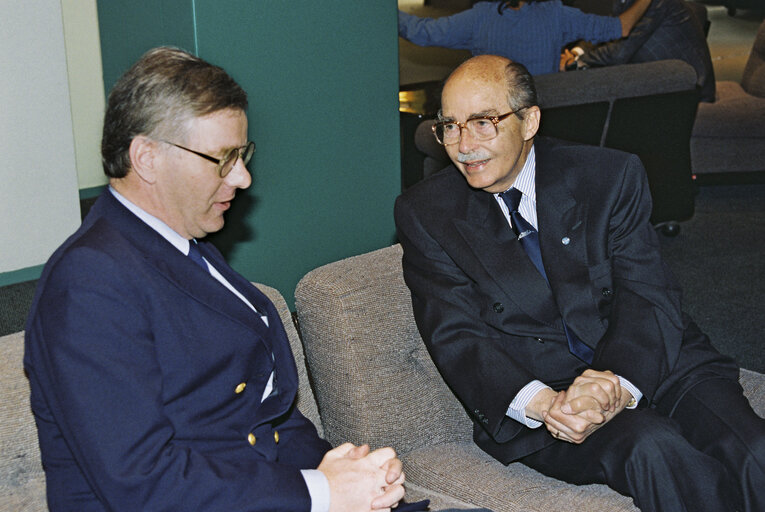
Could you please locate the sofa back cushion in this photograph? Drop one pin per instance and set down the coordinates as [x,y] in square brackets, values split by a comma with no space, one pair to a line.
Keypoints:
[753,80]
[374,379]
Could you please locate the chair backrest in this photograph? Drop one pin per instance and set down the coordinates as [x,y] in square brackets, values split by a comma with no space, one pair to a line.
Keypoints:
[753,80]
[435,154]
[374,379]
[305,398]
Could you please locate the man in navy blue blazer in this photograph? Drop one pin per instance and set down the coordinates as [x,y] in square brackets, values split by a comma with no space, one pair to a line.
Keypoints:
[161,379]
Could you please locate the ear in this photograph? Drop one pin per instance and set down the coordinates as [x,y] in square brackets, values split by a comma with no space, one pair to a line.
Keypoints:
[144,158]
[531,122]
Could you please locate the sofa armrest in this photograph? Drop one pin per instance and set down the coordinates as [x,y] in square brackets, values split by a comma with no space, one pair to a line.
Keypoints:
[614,82]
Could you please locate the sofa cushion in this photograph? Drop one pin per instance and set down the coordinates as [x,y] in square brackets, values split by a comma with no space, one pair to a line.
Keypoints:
[753,79]
[356,315]
[735,114]
[464,471]
[22,480]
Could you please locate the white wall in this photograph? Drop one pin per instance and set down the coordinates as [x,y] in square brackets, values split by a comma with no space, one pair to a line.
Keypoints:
[39,198]
[86,88]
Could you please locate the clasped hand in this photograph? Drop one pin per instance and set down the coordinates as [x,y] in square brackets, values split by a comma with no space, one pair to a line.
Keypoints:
[363,480]
[590,402]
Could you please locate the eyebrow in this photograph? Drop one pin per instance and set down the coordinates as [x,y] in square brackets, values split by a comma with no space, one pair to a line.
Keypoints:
[477,115]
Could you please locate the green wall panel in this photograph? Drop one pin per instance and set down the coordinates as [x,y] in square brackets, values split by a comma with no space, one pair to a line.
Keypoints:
[322,79]
[130,27]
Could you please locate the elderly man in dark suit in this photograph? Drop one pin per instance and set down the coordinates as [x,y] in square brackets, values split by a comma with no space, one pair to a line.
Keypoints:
[539,290]
[161,379]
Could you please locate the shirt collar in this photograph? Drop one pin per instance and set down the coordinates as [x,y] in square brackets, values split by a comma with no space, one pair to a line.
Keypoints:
[157,225]
[525,181]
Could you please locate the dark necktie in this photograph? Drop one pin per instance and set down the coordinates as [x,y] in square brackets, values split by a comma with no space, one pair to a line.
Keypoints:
[196,256]
[529,239]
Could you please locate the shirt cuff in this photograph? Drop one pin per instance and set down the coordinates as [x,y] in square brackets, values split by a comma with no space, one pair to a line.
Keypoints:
[517,409]
[636,394]
[318,488]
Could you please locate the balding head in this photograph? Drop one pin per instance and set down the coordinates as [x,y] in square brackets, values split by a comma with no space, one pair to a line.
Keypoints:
[483,70]
[488,120]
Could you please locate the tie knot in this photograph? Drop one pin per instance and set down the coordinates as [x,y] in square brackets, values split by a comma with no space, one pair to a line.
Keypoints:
[512,198]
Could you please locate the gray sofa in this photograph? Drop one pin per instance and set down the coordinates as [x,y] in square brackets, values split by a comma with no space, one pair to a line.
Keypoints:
[374,382]
[729,134]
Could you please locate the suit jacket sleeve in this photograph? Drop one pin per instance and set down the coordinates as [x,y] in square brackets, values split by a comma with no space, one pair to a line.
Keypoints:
[97,375]
[644,323]
[454,31]
[620,51]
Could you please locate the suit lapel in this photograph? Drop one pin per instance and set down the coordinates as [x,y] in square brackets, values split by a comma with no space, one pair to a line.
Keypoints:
[273,335]
[178,269]
[495,246]
[181,272]
[563,241]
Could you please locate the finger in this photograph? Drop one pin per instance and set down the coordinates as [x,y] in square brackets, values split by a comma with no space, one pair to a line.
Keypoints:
[580,404]
[392,495]
[358,452]
[343,450]
[593,417]
[382,455]
[568,424]
[615,384]
[594,389]
[394,471]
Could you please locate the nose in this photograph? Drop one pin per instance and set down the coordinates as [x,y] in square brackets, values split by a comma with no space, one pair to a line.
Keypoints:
[467,141]
[239,177]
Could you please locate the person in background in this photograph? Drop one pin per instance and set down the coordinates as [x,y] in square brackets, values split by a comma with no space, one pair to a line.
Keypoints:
[668,30]
[530,32]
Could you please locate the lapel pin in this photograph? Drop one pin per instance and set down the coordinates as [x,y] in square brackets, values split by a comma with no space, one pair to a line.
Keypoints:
[565,240]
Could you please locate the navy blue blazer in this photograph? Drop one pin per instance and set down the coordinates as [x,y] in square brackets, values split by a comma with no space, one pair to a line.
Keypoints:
[136,359]
[491,322]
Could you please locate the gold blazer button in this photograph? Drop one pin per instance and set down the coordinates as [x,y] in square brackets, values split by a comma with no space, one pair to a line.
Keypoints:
[240,387]
[251,439]
[276,437]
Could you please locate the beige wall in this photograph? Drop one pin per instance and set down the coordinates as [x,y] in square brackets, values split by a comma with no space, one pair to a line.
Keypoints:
[46,135]
[86,87]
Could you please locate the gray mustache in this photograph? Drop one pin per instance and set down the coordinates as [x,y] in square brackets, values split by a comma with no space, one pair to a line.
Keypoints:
[472,157]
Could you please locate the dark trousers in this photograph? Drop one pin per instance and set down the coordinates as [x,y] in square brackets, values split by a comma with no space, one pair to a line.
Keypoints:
[705,452]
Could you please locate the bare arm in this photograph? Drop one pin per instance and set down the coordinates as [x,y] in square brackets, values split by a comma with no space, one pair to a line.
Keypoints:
[632,15]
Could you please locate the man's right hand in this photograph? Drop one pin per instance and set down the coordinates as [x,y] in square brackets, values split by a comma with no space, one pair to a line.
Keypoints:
[360,480]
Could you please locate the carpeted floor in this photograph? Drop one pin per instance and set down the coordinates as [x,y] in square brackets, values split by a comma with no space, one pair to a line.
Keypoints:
[718,260]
